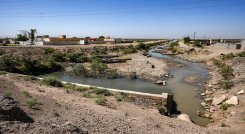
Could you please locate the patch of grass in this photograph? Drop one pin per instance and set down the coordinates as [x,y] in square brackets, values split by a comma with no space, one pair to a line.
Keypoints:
[174,47]
[30,78]
[103,92]
[225,106]
[52,81]
[27,94]
[197,44]
[101,101]
[32,103]
[87,95]
[74,87]
[8,94]
[123,97]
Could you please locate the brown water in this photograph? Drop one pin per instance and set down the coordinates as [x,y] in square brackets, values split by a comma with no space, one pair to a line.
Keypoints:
[185,97]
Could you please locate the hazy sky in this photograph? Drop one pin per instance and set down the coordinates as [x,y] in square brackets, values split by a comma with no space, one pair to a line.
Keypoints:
[125,18]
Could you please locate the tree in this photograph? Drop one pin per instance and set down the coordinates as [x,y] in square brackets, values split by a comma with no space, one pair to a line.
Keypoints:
[187,39]
[102,37]
[21,37]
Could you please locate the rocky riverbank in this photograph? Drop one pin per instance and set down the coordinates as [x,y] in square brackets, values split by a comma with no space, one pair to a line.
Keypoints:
[224,100]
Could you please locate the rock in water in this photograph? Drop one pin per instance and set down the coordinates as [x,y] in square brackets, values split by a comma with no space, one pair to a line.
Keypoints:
[184,117]
[232,101]
[218,100]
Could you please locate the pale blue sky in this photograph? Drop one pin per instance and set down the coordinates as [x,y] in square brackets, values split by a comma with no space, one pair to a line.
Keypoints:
[125,18]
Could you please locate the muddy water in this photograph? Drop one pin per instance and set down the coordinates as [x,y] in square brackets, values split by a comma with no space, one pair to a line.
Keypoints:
[184,95]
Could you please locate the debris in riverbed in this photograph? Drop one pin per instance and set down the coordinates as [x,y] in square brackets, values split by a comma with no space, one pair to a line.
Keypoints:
[164,83]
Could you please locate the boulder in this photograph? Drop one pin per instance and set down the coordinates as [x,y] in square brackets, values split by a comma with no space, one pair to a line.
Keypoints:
[203,104]
[232,101]
[218,100]
[240,92]
[184,117]
[203,94]
[208,99]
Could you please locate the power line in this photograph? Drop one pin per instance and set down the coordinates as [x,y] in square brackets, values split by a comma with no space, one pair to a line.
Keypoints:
[122,12]
[135,7]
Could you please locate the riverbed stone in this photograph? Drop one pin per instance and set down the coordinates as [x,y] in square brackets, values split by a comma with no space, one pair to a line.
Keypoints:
[218,100]
[232,101]
[184,117]
[208,99]
[203,94]
[240,92]
[203,104]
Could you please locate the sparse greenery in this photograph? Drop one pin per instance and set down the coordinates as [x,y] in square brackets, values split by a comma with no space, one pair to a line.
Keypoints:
[241,54]
[27,94]
[8,94]
[58,57]
[129,50]
[218,63]
[74,87]
[29,78]
[87,95]
[226,84]
[143,46]
[123,97]
[102,92]
[80,70]
[174,46]
[187,39]
[49,50]
[76,58]
[162,110]
[101,101]
[225,106]
[226,72]
[32,103]
[98,67]
[228,56]
[52,81]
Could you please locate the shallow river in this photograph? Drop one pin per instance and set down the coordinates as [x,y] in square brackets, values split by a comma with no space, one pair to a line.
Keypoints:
[185,97]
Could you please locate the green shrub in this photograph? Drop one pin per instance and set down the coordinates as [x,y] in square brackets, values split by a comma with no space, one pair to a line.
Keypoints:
[80,70]
[241,54]
[174,46]
[112,74]
[32,103]
[52,81]
[228,56]
[7,64]
[101,101]
[143,46]
[123,97]
[76,58]
[3,72]
[98,66]
[103,92]
[8,94]
[74,87]
[226,72]
[187,39]
[225,106]
[226,84]
[218,63]
[129,50]
[58,57]
[49,50]
[87,95]
[27,94]
[162,110]
[52,66]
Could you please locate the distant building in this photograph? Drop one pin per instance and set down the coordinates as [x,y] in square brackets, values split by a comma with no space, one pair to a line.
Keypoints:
[61,40]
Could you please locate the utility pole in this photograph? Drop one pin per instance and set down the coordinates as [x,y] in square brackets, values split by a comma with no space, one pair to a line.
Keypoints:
[194,35]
